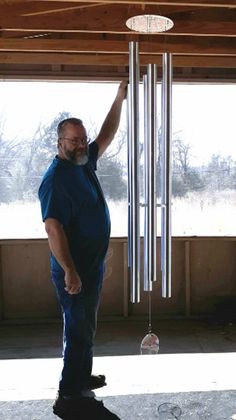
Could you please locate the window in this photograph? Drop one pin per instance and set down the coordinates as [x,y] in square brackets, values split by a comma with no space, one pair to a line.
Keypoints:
[204,154]
[204,168]
[30,112]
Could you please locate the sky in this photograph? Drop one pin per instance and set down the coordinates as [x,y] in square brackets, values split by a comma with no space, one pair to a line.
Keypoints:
[206,114]
[203,115]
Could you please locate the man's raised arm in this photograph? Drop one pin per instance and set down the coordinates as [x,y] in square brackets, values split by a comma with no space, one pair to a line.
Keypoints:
[112,120]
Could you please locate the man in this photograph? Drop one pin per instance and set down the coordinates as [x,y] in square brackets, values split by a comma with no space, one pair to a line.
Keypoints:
[78,226]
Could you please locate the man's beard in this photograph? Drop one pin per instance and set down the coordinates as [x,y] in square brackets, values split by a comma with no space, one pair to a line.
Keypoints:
[81,159]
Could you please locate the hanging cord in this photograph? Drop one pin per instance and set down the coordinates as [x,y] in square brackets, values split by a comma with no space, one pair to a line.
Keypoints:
[149,312]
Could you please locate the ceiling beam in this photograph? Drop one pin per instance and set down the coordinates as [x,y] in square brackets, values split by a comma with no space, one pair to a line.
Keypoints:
[192,3]
[112,20]
[9,2]
[37,7]
[228,31]
[112,60]
[179,45]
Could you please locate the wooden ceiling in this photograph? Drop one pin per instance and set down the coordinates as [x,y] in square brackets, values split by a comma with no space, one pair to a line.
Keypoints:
[89,39]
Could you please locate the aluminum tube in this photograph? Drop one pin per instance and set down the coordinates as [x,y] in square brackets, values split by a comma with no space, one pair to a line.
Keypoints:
[133,175]
[129,161]
[147,285]
[150,177]
[166,175]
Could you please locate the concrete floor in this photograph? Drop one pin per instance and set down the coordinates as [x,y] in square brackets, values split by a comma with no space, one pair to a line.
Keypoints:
[192,377]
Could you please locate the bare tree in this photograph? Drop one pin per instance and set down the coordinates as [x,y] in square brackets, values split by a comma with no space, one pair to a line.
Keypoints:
[10,152]
[181,156]
[110,167]
[34,156]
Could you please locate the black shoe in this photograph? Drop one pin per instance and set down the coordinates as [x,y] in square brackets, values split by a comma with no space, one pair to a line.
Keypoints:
[96,381]
[82,408]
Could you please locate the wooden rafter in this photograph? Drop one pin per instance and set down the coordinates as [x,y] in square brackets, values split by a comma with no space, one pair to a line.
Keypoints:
[192,3]
[191,46]
[113,59]
[112,20]
[93,32]
[62,9]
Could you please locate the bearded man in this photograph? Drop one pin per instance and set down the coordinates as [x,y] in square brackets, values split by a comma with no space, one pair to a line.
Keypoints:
[77,222]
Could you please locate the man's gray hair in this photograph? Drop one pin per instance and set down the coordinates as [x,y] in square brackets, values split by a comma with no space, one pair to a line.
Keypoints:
[63,123]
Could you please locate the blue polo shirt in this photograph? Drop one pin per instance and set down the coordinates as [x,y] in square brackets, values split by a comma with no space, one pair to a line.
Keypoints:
[72,195]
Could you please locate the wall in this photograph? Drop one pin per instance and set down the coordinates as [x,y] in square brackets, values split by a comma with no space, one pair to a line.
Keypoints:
[203,273]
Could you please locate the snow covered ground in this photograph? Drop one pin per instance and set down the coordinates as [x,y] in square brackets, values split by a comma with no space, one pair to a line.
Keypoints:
[200,214]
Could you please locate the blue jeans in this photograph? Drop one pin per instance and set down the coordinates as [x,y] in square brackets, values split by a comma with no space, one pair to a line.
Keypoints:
[80,322]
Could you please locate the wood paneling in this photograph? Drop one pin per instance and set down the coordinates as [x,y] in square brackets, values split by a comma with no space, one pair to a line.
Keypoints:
[213,274]
[27,291]
[112,293]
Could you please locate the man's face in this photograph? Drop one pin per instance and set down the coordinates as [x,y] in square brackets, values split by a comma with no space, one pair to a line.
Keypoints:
[73,144]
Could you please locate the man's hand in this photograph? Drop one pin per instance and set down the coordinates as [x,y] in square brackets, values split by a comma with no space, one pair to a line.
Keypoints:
[73,282]
[122,89]
[112,120]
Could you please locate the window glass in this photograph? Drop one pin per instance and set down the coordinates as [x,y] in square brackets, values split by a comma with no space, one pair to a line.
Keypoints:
[204,160]
[29,114]
[204,156]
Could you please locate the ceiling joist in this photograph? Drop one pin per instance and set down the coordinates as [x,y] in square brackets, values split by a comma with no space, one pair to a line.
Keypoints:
[93,34]
[112,20]
[192,3]
[191,46]
[73,59]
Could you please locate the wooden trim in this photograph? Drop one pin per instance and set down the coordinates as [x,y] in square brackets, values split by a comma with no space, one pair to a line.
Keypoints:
[187,255]
[123,239]
[1,288]
[125,280]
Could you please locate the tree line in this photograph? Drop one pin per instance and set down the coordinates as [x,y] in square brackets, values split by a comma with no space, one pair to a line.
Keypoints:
[24,161]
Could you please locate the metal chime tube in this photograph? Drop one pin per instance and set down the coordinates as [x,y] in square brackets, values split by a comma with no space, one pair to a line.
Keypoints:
[133,173]
[150,141]
[166,175]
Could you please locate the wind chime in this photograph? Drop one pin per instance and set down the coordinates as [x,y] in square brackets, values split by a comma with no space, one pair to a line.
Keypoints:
[150,24]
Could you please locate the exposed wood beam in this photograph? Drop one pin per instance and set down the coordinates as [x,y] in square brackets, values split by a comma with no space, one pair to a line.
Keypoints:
[212,33]
[59,10]
[180,45]
[112,20]
[204,62]
[112,60]
[112,73]
[71,37]
[9,2]
[37,7]
[192,3]
[175,33]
